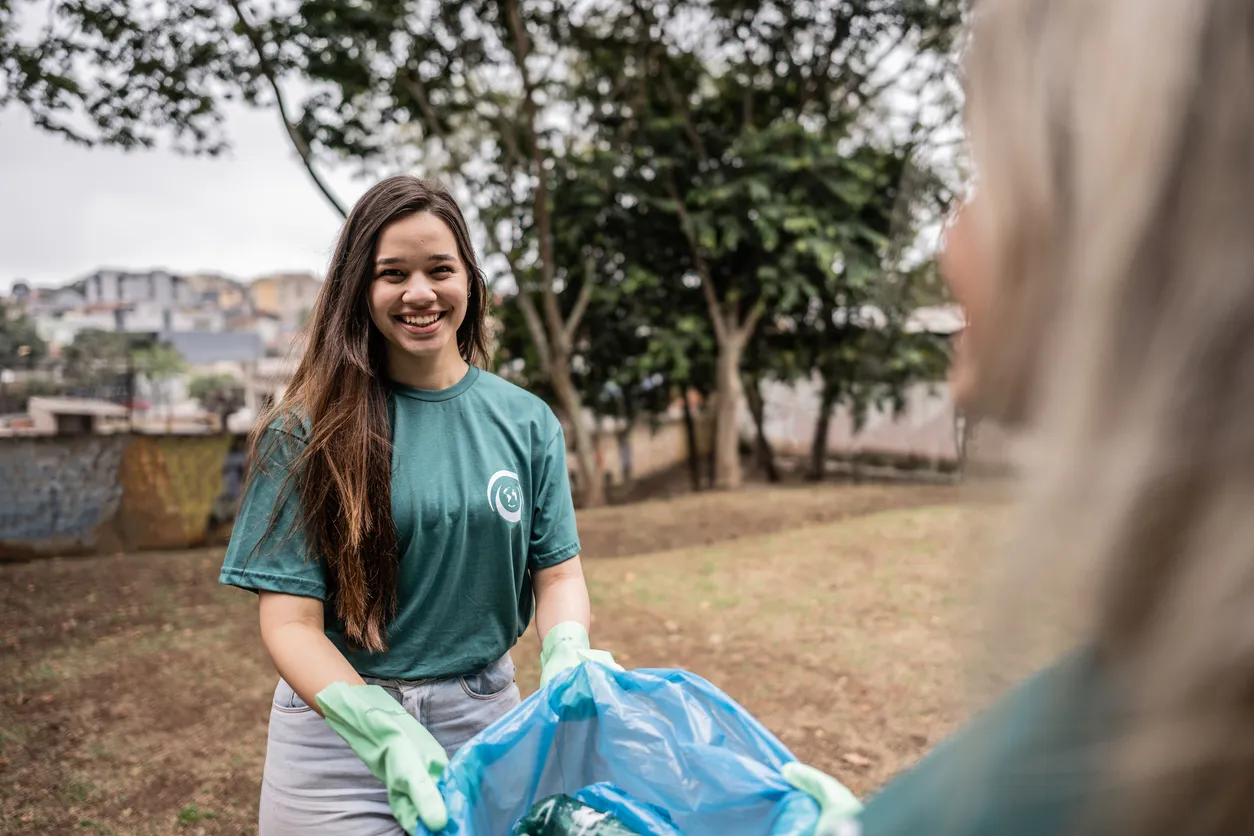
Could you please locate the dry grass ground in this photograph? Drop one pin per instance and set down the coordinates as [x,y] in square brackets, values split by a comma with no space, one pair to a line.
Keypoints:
[135,690]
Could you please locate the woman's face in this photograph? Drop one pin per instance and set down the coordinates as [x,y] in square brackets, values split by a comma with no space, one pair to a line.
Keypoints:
[419,292]
[963,267]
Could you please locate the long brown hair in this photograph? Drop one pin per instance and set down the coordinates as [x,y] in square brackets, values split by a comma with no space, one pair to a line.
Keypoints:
[1114,142]
[337,405]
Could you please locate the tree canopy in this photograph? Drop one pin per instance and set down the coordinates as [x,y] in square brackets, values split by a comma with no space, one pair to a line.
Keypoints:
[670,195]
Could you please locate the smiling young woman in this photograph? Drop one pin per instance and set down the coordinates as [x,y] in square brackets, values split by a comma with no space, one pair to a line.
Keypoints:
[419,319]
[407,514]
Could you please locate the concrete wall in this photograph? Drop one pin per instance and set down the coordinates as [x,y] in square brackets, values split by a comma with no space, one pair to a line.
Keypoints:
[169,489]
[653,449]
[59,492]
[99,494]
[924,429]
[113,493]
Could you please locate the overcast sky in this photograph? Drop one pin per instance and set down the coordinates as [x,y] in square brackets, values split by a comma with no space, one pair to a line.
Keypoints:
[68,210]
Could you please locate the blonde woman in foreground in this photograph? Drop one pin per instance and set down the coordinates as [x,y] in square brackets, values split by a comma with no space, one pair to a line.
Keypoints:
[1106,263]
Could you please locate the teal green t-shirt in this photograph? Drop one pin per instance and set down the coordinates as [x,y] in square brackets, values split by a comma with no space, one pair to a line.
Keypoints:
[1027,767]
[480,498]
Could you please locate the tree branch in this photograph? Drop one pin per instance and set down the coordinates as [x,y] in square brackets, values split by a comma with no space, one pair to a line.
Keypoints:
[534,324]
[855,82]
[540,198]
[753,317]
[820,76]
[721,331]
[504,125]
[678,105]
[581,302]
[746,114]
[298,142]
[413,84]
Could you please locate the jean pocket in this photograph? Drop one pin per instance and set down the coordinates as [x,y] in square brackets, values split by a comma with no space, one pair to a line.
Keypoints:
[287,700]
[493,681]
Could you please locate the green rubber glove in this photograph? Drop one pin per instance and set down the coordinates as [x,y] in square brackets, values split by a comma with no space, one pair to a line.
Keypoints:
[836,802]
[396,748]
[565,647]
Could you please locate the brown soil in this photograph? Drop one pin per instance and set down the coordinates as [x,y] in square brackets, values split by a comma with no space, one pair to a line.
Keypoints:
[136,690]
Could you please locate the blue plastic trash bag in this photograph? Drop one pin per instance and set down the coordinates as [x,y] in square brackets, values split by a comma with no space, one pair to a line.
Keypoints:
[664,751]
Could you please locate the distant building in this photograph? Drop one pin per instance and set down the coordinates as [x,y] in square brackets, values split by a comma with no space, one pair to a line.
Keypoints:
[289,296]
[267,384]
[927,427]
[117,286]
[941,320]
[132,302]
[59,329]
[268,326]
[222,350]
[74,416]
[227,353]
[63,299]
[148,301]
[220,292]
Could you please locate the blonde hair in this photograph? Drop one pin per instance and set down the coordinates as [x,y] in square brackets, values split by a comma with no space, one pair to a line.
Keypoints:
[1114,145]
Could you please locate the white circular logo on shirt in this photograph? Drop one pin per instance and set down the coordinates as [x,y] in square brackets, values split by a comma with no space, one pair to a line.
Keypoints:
[505,495]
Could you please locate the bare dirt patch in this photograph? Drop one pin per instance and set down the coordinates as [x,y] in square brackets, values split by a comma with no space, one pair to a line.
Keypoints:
[135,691]
[706,518]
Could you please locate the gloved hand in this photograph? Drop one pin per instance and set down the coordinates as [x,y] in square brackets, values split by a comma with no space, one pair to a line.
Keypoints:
[397,749]
[565,647]
[836,802]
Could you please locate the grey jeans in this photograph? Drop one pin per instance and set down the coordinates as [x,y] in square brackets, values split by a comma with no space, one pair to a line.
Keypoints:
[315,785]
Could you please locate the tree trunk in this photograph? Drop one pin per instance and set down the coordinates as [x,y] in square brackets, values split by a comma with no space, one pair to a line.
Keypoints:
[727,475]
[625,451]
[694,452]
[269,73]
[818,448]
[963,430]
[592,489]
[553,350]
[762,445]
[554,335]
[711,466]
[130,393]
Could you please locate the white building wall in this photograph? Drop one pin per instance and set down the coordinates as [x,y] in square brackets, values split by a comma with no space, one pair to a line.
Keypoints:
[925,428]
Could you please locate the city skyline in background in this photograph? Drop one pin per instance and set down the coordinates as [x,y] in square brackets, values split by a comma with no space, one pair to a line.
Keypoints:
[75,210]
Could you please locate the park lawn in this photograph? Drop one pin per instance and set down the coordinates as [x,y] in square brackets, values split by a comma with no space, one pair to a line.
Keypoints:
[136,690]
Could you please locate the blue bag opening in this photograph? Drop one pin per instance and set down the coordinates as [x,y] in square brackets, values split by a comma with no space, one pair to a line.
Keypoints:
[663,750]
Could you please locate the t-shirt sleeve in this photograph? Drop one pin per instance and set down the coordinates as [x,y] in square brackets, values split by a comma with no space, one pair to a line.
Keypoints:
[554,536]
[272,557]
